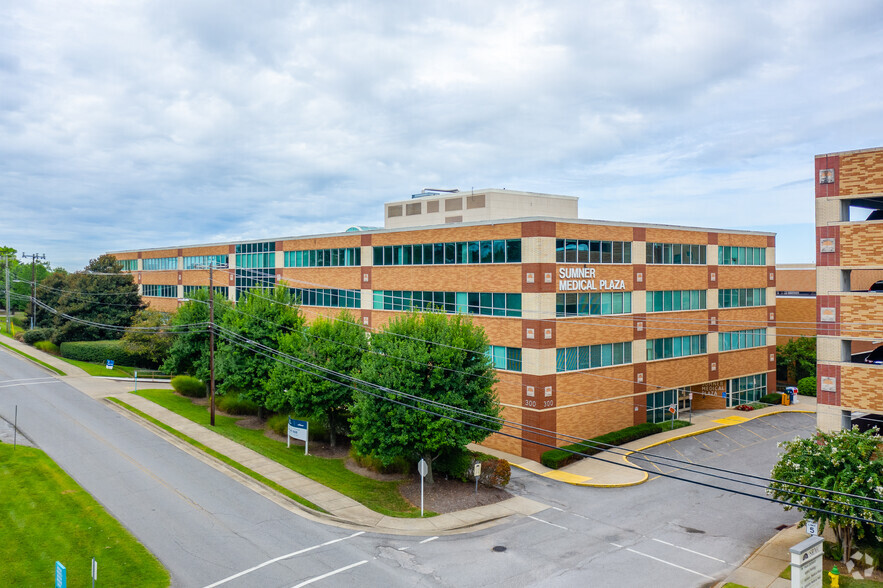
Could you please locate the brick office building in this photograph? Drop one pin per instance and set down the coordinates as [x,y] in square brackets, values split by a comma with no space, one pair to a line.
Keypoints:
[593,325]
[849,259]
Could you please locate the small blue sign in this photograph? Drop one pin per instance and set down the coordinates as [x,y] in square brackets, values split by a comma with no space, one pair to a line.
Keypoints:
[298,429]
[109,364]
[60,575]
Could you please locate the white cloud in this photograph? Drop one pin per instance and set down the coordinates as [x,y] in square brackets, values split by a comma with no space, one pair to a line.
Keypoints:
[161,122]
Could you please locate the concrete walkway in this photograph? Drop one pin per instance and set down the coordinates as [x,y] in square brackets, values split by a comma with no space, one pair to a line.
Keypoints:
[342,510]
[762,568]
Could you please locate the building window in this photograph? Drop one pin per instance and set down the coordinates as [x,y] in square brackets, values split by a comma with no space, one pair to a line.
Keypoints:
[734,297]
[666,300]
[746,389]
[159,290]
[593,303]
[480,303]
[741,339]
[505,358]
[669,347]
[252,262]
[393,211]
[129,265]
[727,255]
[223,291]
[570,359]
[193,261]
[491,251]
[346,256]
[160,263]
[676,253]
[331,297]
[588,251]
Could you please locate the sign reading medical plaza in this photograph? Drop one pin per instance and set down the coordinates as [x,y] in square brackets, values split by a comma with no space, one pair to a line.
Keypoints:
[583,279]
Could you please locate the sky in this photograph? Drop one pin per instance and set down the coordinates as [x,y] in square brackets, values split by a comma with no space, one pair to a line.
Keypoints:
[128,125]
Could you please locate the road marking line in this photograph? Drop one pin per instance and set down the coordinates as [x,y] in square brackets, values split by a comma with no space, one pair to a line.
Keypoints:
[281,557]
[690,550]
[331,573]
[674,565]
[616,545]
[428,539]
[403,548]
[558,509]
[29,383]
[547,522]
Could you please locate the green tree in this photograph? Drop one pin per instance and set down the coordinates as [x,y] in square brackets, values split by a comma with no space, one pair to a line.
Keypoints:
[49,291]
[149,336]
[189,351]
[435,357]
[101,294]
[843,461]
[20,275]
[261,316]
[796,359]
[335,344]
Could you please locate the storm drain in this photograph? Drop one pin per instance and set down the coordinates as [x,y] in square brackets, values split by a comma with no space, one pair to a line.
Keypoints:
[782,527]
[499,548]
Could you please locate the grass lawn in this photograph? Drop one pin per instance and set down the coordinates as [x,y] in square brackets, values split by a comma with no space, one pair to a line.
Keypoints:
[382,497]
[98,369]
[46,517]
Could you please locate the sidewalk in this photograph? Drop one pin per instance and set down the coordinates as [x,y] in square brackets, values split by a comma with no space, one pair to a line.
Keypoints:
[605,469]
[762,568]
[343,511]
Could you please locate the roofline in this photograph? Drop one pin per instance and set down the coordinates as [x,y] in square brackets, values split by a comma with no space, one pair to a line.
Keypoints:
[463,224]
[851,152]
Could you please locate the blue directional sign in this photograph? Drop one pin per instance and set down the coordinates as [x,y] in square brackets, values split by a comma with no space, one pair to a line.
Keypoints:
[298,429]
[109,364]
[60,575]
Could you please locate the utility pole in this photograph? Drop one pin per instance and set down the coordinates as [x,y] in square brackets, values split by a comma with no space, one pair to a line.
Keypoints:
[211,335]
[34,257]
[8,310]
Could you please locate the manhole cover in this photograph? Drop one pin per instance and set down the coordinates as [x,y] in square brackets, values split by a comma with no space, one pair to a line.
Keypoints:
[499,548]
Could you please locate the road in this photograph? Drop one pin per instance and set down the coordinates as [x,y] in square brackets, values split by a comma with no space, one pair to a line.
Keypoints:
[206,528]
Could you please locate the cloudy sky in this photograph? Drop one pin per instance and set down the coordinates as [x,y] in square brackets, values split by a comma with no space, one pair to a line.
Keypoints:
[143,124]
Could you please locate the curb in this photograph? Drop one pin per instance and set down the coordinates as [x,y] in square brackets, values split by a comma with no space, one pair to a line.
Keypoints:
[625,456]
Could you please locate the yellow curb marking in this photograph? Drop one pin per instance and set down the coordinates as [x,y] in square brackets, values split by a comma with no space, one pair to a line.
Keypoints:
[566,477]
[731,420]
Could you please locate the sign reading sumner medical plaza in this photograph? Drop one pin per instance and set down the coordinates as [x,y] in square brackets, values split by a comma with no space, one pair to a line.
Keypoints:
[583,279]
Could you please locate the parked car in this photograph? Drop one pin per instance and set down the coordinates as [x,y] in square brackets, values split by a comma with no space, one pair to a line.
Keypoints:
[876,356]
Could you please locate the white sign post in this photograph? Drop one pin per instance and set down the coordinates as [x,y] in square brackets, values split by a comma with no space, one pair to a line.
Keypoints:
[299,430]
[476,471]
[423,469]
[806,563]
[94,571]
[812,527]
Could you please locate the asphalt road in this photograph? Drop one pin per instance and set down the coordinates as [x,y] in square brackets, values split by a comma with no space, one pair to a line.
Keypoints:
[209,530]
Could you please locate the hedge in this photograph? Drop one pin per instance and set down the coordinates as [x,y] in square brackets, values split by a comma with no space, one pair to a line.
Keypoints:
[237,405]
[189,386]
[101,351]
[807,386]
[556,458]
[36,335]
[771,399]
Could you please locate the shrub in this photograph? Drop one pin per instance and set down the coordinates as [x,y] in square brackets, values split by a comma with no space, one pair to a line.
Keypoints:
[399,466]
[36,335]
[47,346]
[494,471]
[99,352]
[237,405]
[557,458]
[278,423]
[188,386]
[807,386]
[456,464]
[771,399]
